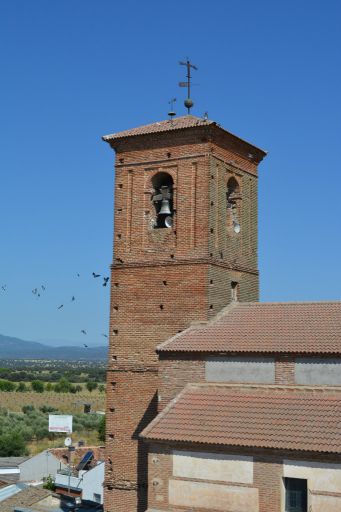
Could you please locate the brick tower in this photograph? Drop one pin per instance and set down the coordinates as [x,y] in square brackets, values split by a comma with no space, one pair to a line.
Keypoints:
[185,246]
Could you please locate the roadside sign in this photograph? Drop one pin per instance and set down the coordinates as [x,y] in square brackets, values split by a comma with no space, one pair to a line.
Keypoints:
[60,423]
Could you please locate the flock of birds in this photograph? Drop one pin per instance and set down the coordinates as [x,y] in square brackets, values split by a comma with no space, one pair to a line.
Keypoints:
[42,288]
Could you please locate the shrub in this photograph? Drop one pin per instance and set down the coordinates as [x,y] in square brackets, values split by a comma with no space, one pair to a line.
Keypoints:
[47,409]
[26,409]
[12,445]
[37,386]
[49,483]
[63,386]
[91,385]
[6,385]
[21,388]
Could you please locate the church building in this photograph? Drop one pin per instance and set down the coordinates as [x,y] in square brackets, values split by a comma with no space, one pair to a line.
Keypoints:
[215,401]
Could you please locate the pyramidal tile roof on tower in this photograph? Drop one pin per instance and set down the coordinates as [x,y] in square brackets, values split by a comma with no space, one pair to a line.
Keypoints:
[169,125]
[257,416]
[178,123]
[294,327]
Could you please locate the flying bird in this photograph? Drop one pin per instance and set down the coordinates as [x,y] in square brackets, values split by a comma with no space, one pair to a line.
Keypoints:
[61,306]
[86,346]
[3,287]
[78,275]
[105,335]
[73,298]
[96,275]
[43,287]
[35,291]
[83,332]
[105,279]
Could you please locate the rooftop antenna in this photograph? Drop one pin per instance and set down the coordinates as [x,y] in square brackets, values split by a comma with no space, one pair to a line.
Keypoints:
[172,113]
[188,102]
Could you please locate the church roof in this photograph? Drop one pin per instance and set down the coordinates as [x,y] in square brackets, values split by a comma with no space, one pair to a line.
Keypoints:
[177,123]
[263,417]
[296,327]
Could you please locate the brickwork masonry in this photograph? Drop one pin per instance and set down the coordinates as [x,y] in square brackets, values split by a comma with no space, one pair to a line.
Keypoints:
[163,279]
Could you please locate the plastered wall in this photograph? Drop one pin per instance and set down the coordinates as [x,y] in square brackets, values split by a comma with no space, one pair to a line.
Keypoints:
[204,495]
[213,466]
[198,476]
[324,483]
[318,371]
[240,369]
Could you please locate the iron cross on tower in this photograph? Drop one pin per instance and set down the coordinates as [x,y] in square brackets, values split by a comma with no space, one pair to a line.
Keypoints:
[188,102]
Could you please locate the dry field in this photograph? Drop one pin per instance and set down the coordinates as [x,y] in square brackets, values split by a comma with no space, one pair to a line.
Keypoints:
[64,402]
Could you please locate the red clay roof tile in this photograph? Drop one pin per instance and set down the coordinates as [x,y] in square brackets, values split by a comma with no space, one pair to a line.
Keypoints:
[177,123]
[279,418]
[299,327]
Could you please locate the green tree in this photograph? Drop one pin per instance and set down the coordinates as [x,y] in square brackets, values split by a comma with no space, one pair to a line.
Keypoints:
[12,445]
[91,385]
[21,388]
[63,386]
[37,386]
[101,429]
[6,385]
[26,409]
[101,388]
[48,409]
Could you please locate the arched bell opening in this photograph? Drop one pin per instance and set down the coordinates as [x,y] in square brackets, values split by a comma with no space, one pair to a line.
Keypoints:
[233,198]
[162,200]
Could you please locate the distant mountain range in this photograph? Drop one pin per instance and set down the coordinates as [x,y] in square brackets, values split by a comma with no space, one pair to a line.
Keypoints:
[15,348]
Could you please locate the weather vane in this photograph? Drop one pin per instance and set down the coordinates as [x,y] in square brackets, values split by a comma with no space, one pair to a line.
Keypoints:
[188,102]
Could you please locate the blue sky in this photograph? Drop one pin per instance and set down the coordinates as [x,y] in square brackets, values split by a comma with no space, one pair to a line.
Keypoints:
[74,70]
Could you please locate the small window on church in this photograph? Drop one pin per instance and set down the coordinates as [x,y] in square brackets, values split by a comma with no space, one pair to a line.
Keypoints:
[162,199]
[232,199]
[234,291]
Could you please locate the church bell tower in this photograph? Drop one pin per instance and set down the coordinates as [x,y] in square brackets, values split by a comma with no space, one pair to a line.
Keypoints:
[185,246]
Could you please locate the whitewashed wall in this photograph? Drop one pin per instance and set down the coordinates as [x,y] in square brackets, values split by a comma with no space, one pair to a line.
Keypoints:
[93,482]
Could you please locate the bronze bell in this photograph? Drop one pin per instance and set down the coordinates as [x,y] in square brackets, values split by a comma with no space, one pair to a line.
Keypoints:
[165,210]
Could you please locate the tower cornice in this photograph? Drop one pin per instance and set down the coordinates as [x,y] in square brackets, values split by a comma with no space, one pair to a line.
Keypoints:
[163,129]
